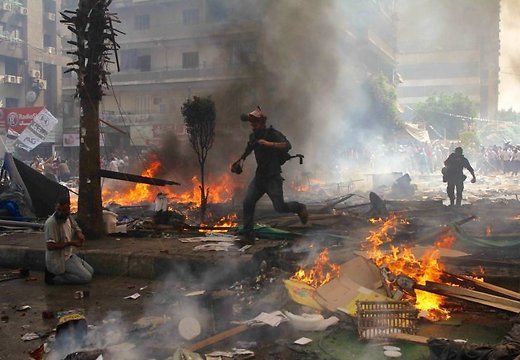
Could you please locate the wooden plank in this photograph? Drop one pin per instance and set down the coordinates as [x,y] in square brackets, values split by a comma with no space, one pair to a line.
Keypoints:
[488,303]
[510,293]
[135,178]
[435,234]
[408,337]
[448,290]
[218,337]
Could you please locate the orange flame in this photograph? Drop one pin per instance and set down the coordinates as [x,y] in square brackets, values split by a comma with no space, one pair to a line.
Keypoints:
[228,221]
[219,191]
[488,230]
[321,273]
[300,187]
[401,260]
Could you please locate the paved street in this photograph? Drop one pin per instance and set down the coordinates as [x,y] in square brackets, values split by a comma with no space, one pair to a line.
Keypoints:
[148,327]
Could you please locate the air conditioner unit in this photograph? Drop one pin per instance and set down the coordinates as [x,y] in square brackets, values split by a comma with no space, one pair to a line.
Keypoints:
[22,10]
[19,79]
[35,73]
[10,79]
[50,49]
[51,16]
[6,6]
[42,84]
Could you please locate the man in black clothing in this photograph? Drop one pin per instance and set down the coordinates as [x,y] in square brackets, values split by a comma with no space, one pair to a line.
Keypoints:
[454,176]
[269,146]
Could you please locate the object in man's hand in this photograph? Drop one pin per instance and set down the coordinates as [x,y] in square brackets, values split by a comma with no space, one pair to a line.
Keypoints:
[236,167]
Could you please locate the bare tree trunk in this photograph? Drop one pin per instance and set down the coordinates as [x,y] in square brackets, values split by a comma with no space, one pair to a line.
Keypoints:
[90,211]
[203,194]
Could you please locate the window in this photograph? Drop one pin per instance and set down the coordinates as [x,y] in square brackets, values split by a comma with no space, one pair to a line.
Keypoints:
[243,53]
[11,102]
[128,59]
[142,22]
[144,62]
[190,60]
[217,10]
[191,17]
[47,40]
[11,66]
[142,104]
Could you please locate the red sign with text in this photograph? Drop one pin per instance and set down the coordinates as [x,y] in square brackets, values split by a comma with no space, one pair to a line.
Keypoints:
[17,119]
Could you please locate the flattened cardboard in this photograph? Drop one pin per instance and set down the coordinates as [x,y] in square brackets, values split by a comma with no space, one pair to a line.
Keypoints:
[359,279]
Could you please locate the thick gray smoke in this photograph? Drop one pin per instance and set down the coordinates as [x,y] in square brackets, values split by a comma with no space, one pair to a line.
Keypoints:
[509,55]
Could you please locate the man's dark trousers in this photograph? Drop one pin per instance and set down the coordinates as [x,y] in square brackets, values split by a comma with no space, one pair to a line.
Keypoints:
[273,187]
[452,185]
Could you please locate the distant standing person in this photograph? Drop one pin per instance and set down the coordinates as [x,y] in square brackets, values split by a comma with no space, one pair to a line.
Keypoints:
[63,171]
[268,145]
[62,234]
[453,175]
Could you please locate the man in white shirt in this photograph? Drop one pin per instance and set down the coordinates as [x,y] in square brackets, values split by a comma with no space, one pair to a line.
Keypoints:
[62,234]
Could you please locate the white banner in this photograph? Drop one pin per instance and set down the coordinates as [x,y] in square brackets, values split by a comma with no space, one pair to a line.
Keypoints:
[34,134]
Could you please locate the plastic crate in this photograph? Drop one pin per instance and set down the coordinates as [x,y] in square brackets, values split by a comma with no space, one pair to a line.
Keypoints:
[376,319]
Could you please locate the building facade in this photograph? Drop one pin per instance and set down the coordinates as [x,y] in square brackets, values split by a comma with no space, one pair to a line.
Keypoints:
[175,49]
[448,47]
[30,56]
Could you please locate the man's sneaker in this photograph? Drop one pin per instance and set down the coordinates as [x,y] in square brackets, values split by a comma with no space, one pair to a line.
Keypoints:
[49,277]
[303,214]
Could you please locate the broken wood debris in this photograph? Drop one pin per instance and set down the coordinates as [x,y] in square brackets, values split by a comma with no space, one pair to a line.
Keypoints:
[471,295]
[135,178]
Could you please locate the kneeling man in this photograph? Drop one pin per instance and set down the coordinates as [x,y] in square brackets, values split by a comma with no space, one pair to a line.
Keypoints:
[62,235]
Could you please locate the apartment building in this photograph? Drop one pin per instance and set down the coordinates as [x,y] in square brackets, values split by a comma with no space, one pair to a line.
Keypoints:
[447,46]
[175,49]
[30,56]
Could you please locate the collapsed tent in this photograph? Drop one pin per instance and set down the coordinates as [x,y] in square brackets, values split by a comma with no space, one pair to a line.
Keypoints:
[40,193]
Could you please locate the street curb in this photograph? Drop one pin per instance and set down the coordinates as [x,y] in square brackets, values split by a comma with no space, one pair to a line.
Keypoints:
[136,265]
[12,256]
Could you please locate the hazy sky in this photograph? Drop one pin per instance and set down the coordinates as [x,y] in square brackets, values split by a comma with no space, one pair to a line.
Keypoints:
[510,56]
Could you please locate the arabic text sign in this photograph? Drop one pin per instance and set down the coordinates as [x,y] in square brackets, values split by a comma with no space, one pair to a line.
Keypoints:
[34,134]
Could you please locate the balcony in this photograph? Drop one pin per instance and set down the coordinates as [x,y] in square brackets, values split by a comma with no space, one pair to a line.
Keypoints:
[11,49]
[117,4]
[179,31]
[181,75]
[172,76]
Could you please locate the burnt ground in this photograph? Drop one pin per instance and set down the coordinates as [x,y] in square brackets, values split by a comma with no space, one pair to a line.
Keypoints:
[240,285]
[147,327]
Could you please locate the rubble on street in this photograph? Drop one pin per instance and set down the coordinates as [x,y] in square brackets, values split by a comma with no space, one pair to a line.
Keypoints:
[419,279]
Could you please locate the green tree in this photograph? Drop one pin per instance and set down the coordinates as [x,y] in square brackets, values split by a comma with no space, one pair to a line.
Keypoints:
[447,114]
[382,111]
[199,117]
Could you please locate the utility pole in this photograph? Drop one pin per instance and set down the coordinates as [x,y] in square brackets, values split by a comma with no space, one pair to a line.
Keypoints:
[91,23]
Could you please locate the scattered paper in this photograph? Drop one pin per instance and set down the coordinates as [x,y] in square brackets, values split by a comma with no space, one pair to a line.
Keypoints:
[242,353]
[303,341]
[133,296]
[310,322]
[211,237]
[30,336]
[220,246]
[245,247]
[272,319]
[196,293]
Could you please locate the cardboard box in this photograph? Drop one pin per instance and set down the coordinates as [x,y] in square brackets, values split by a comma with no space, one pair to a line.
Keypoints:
[359,279]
